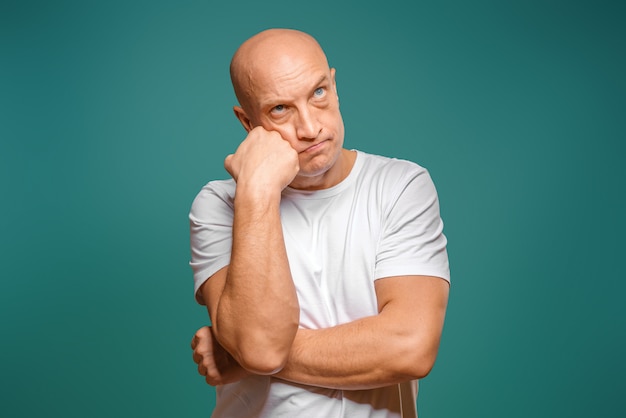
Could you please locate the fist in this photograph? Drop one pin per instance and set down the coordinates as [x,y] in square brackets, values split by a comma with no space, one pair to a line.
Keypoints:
[214,363]
[265,160]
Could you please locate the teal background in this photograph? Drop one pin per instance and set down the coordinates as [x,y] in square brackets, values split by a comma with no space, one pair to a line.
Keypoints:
[114,114]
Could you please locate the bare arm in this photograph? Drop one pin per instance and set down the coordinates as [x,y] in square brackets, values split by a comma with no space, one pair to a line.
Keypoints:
[252,302]
[398,344]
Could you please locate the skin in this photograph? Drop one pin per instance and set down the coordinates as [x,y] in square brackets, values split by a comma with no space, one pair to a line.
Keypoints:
[284,84]
[290,109]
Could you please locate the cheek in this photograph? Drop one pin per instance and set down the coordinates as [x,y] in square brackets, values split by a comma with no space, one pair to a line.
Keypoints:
[287,132]
[334,122]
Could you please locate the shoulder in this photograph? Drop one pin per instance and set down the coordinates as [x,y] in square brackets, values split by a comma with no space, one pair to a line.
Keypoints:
[215,196]
[391,173]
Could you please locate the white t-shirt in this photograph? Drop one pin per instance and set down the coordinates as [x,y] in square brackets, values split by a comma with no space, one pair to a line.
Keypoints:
[381,221]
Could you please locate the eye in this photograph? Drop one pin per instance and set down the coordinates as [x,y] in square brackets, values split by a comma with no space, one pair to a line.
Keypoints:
[278,109]
[319,92]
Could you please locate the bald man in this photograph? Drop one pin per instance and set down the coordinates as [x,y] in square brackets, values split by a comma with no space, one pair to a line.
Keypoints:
[324,270]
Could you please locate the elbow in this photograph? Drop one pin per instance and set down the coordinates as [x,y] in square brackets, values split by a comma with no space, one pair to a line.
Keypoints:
[264,353]
[419,361]
[422,368]
[263,362]
[261,346]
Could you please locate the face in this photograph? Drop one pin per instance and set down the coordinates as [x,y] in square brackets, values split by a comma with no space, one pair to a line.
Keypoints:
[297,97]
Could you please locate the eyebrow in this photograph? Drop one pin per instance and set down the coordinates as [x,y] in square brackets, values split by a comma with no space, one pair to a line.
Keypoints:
[270,103]
[321,80]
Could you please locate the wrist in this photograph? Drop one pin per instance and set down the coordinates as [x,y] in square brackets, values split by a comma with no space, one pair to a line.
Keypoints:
[257,193]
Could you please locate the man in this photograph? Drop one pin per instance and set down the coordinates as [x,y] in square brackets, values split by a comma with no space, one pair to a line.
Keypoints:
[324,270]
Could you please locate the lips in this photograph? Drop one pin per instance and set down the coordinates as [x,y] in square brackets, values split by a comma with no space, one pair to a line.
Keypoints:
[314,147]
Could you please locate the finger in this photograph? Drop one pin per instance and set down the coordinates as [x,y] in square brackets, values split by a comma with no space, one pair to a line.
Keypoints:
[212,375]
[216,377]
[200,336]
[211,381]
[202,370]
[200,355]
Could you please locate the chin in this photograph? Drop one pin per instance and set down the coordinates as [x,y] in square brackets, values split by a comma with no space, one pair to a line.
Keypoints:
[318,165]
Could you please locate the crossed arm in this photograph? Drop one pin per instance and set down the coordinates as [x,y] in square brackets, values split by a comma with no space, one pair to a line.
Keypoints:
[398,344]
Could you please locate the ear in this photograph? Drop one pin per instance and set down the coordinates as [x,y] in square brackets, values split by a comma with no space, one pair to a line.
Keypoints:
[243,118]
[333,80]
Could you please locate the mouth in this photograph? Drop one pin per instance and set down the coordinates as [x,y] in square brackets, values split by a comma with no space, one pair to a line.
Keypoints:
[314,147]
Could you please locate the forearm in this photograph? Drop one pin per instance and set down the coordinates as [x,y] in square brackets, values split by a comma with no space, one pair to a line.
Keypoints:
[257,315]
[398,344]
[359,355]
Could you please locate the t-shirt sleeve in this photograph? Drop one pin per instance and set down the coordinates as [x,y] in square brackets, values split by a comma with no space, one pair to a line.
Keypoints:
[210,222]
[412,240]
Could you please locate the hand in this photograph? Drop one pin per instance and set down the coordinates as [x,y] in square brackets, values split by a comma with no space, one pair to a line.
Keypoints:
[215,363]
[265,159]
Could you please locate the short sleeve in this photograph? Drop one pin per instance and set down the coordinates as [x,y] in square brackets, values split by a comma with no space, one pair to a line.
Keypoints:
[412,240]
[210,222]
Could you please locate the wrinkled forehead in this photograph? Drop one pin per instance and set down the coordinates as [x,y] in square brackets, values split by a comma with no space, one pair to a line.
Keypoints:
[283,68]
[286,74]
[274,60]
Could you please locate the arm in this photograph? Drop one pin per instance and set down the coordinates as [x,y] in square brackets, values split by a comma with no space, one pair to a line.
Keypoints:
[252,302]
[398,344]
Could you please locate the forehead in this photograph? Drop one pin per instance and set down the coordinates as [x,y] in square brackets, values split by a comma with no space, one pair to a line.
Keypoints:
[287,76]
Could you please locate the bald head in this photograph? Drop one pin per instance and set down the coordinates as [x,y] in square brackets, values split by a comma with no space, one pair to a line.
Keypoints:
[252,63]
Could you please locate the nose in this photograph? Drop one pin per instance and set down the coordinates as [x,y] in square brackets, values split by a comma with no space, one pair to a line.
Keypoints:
[308,127]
